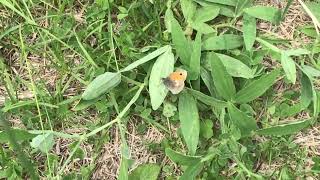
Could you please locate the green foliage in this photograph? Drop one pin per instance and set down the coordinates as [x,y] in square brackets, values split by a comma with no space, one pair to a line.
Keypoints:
[78,76]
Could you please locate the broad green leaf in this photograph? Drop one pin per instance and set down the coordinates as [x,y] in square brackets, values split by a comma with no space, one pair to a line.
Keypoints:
[266,13]
[206,13]
[189,121]
[182,159]
[241,120]
[104,4]
[249,30]
[306,91]
[223,42]
[289,68]
[145,171]
[241,5]
[168,17]
[192,171]
[146,58]
[221,78]
[257,87]
[225,10]
[225,2]
[314,8]
[101,84]
[288,111]
[235,67]
[310,71]
[207,79]
[194,65]
[202,27]
[188,9]
[284,129]
[19,134]
[43,142]
[168,109]
[296,52]
[161,69]
[182,45]
[206,130]
[210,101]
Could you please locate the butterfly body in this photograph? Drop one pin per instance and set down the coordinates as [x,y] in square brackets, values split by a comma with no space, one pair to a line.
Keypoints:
[175,81]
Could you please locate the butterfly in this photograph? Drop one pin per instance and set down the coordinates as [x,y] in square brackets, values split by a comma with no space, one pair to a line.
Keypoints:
[175,81]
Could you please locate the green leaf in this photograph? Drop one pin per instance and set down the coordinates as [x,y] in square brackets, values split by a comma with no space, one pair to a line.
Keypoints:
[284,129]
[289,68]
[310,71]
[19,134]
[228,11]
[235,67]
[104,4]
[182,159]
[168,17]
[249,30]
[202,27]
[83,104]
[223,42]
[241,120]
[225,2]
[195,58]
[210,101]
[296,52]
[146,58]
[145,171]
[43,142]
[314,8]
[257,87]
[169,109]
[123,171]
[306,91]
[189,121]
[221,78]
[266,13]
[181,43]
[161,69]
[206,13]
[191,172]
[101,84]
[188,9]
[207,79]
[206,128]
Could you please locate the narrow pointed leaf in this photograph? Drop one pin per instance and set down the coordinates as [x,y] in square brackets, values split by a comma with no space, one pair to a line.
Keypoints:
[180,42]
[223,42]
[101,84]
[306,91]
[146,58]
[235,67]
[245,123]
[266,13]
[221,78]
[289,68]
[208,100]
[249,30]
[257,87]
[284,129]
[182,159]
[205,14]
[195,58]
